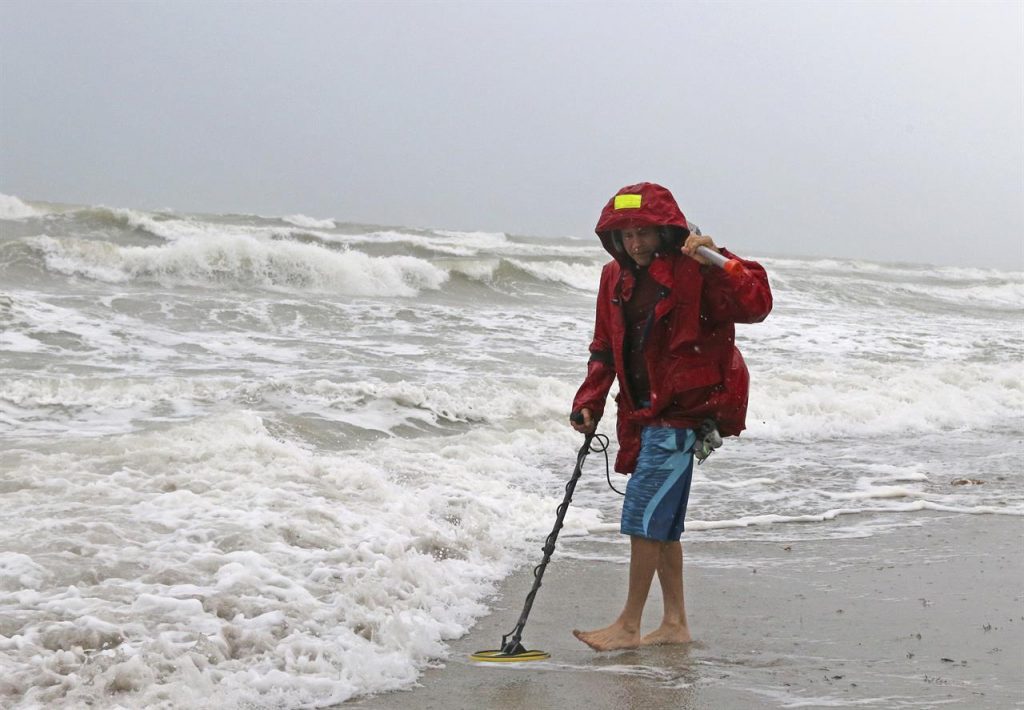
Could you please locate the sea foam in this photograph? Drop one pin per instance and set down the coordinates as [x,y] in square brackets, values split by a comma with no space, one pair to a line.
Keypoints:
[822,401]
[219,580]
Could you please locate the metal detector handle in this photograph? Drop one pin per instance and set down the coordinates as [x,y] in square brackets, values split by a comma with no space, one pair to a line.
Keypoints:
[732,267]
[512,645]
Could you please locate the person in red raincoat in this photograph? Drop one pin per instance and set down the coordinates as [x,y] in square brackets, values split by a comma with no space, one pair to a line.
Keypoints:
[665,332]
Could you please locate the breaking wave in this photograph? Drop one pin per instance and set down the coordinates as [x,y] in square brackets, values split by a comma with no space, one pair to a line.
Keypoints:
[242,260]
[13,208]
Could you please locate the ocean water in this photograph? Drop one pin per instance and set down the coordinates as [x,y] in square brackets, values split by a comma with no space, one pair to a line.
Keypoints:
[278,462]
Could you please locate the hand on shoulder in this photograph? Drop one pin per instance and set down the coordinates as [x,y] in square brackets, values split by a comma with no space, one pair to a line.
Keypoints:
[698,240]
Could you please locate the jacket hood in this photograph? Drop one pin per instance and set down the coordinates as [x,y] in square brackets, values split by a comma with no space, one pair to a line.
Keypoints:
[642,205]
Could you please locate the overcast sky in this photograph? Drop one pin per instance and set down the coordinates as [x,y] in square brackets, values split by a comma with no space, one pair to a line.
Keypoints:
[889,131]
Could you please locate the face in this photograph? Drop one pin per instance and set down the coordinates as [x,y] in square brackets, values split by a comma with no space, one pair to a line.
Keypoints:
[641,243]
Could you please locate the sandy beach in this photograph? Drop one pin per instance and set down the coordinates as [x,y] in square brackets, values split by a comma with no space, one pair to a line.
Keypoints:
[925,615]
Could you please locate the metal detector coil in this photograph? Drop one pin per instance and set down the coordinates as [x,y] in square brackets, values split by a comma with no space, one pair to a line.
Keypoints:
[502,657]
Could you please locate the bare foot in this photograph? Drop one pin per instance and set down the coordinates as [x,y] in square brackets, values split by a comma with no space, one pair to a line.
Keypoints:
[667,634]
[609,638]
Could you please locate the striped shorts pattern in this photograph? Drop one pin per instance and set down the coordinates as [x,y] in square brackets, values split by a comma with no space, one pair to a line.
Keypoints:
[659,488]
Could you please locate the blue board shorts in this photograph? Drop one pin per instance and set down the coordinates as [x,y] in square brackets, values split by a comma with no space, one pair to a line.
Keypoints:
[659,488]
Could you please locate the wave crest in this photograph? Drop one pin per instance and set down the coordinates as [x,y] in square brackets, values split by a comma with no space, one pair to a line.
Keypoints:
[13,208]
[242,260]
[301,220]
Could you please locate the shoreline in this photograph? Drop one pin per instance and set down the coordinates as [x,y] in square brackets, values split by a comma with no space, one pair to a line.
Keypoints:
[923,615]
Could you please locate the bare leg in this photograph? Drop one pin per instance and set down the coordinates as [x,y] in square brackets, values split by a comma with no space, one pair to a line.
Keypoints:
[674,628]
[644,558]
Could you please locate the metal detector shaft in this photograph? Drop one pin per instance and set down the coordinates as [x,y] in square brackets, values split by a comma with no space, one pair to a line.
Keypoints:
[512,645]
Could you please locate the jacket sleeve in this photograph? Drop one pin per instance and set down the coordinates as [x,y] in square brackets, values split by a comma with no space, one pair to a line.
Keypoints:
[593,393]
[743,297]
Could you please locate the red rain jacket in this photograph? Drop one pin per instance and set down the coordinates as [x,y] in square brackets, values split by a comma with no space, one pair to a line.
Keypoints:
[691,342]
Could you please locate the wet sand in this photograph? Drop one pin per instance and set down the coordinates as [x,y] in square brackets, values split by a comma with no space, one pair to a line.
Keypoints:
[924,616]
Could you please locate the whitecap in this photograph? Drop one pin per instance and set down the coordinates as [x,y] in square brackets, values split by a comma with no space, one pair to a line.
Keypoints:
[301,220]
[13,208]
[243,260]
